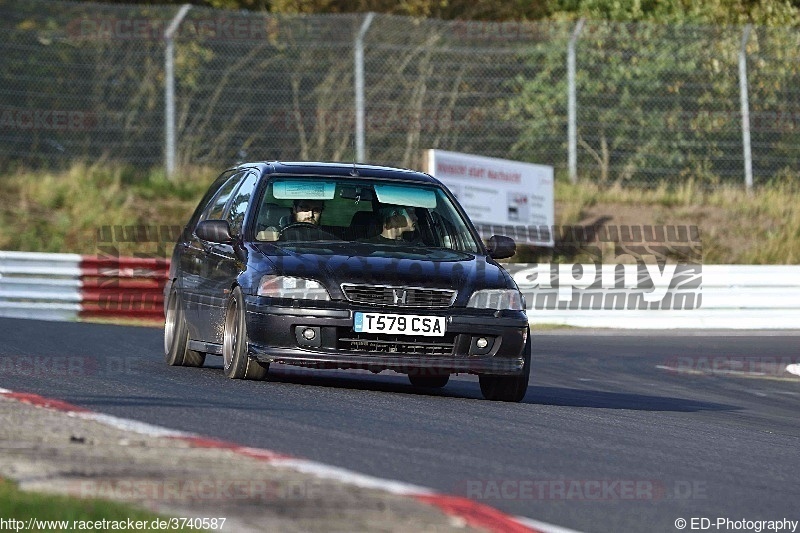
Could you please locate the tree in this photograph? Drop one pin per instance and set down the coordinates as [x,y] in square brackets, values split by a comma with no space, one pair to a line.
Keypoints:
[653,99]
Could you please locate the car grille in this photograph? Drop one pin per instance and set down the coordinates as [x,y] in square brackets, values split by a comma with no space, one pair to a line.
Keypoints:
[399,296]
[402,344]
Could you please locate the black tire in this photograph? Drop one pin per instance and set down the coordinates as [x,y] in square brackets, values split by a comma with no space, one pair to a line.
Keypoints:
[429,382]
[176,336]
[508,388]
[235,362]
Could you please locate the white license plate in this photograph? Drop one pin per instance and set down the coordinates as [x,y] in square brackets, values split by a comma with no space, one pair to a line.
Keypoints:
[429,326]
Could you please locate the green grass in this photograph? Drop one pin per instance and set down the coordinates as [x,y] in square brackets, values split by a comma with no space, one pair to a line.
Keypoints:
[62,211]
[737,227]
[123,321]
[24,505]
[551,327]
[47,211]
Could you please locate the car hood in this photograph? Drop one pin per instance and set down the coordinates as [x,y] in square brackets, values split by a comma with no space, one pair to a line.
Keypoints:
[411,267]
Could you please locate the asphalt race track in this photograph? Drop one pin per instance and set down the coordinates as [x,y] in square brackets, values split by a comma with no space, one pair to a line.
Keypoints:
[616,433]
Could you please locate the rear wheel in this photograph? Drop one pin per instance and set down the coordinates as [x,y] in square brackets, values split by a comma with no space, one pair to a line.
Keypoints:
[235,362]
[508,388]
[176,336]
[429,382]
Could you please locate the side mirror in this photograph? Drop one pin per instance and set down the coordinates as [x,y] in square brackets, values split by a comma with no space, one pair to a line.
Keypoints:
[501,247]
[216,231]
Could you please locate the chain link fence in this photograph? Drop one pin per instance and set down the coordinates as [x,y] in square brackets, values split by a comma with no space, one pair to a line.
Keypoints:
[654,103]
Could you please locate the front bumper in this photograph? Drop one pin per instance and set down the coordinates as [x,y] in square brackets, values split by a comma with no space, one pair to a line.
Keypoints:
[274,337]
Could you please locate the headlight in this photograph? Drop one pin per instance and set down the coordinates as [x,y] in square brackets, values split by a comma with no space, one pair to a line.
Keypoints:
[497,299]
[289,287]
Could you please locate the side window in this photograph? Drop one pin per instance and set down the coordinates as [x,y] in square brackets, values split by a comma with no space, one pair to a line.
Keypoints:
[240,202]
[202,206]
[216,207]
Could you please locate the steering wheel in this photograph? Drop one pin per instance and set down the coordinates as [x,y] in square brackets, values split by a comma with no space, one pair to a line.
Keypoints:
[305,227]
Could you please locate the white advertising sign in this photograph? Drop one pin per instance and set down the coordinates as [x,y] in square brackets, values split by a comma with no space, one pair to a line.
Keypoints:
[500,196]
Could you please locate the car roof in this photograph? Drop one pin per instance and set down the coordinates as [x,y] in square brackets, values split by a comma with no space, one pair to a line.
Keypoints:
[340,169]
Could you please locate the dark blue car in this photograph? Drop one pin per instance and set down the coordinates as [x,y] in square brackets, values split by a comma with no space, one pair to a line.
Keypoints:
[332,265]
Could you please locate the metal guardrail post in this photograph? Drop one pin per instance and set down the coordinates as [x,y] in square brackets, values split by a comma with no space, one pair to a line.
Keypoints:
[169,91]
[748,156]
[359,86]
[572,104]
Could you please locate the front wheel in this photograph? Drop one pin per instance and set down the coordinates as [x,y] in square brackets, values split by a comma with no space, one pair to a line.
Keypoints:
[508,388]
[235,362]
[176,336]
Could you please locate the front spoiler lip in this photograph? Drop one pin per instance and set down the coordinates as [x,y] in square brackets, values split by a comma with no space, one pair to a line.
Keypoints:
[399,362]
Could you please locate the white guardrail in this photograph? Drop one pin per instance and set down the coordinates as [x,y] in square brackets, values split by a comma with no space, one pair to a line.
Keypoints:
[70,286]
[41,286]
[733,297]
[54,287]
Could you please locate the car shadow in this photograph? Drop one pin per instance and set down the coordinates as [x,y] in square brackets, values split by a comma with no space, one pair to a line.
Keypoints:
[384,382]
[556,396]
[456,389]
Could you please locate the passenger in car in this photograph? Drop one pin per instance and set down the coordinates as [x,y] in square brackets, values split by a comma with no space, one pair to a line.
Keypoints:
[398,224]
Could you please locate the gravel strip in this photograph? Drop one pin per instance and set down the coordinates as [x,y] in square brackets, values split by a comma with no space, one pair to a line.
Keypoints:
[50,451]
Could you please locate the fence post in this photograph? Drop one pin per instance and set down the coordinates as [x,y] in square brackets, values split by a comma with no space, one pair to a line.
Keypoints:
[748,156]
[169,91]
[359,85]
[572,104]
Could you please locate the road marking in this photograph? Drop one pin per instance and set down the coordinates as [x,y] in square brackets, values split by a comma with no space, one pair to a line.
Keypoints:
[543,526]
[353,478]
[135,426]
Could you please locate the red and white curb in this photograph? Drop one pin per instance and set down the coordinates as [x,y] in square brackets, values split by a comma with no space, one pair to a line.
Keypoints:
[470,512]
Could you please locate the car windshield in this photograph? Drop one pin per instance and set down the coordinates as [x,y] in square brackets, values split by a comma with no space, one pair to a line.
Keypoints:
[375,214]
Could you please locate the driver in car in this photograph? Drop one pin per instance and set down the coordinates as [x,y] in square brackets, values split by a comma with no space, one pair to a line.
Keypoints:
[295,225]
[307,211]
[304,223]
